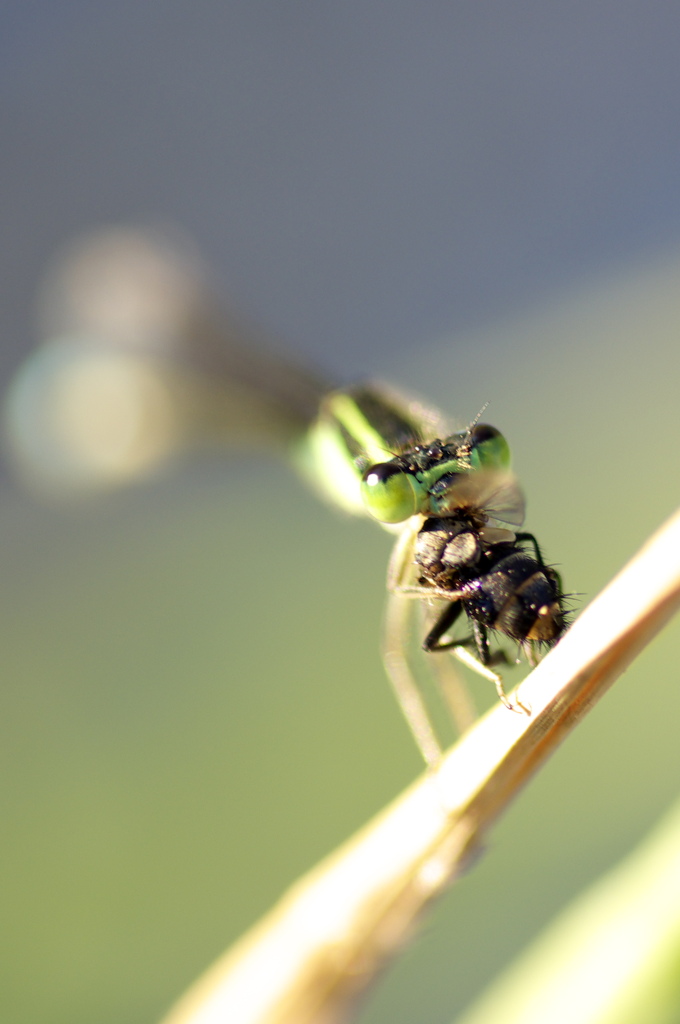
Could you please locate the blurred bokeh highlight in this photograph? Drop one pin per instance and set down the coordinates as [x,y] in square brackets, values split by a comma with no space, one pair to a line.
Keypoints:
[478,205]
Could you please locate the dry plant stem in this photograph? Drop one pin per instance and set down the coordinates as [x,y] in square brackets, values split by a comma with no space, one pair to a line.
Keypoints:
[307,960]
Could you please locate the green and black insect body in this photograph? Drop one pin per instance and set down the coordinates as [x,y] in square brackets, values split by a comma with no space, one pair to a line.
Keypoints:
[375,445]
[465,550]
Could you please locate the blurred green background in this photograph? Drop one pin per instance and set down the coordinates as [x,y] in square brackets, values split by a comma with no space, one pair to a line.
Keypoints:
[479,204]
[195,711]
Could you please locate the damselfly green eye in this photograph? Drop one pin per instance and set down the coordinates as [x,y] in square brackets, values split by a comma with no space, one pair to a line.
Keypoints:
[488,448]
[390,493]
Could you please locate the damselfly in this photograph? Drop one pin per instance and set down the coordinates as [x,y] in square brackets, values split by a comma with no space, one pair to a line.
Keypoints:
[456,507]
[149,367]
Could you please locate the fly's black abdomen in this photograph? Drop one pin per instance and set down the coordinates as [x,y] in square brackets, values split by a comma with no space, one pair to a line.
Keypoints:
[519,597]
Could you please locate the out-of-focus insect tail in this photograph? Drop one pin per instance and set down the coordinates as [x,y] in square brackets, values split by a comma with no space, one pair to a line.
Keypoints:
[139,364]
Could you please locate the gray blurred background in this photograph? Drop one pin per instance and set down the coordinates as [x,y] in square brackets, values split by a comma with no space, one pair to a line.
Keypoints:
[480,202]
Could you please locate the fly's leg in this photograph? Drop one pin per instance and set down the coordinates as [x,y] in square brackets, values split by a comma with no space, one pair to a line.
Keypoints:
[447,619]
[473,662]
[484,657]
[455,692]
[452,687]
[529,537]
[550,572]
[398,617]
[461,709]
[480,662]
[483,662]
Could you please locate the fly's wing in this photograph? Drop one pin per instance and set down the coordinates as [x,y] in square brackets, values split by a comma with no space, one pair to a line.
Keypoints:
[495,493]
